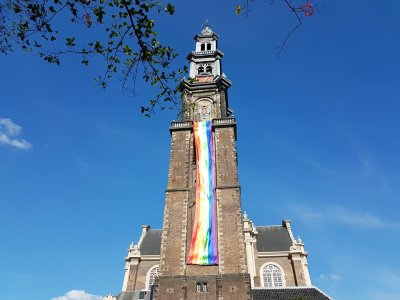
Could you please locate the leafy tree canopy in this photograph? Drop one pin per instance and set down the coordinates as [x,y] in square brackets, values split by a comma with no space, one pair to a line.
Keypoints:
[122,32]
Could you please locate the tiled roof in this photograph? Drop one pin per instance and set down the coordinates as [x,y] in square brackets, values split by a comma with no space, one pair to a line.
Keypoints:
[135,295]
[272,238]
[269,239]
[296,293]
[128,296]
[151,243]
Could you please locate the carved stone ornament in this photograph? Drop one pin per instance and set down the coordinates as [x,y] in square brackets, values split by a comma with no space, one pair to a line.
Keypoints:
[207,30]
[204,113]
[133,251]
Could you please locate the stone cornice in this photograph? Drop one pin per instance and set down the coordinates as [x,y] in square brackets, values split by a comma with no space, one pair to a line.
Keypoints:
[149,257]
[198,36]
[273,254]
[208,53]
[218,83]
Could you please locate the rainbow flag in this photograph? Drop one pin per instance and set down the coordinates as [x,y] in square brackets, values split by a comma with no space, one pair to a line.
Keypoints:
[203,247]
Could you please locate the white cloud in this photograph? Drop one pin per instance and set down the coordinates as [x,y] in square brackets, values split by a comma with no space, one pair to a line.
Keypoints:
[20,276]
[343,216]
[331,277]
[8,133]
[78,295]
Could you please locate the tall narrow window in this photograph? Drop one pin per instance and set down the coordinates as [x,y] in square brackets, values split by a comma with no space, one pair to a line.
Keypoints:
[208,46]
[200,70]
[209,69]
[205,287]
[272,276]
[151,276]
[201,287]
[203,47]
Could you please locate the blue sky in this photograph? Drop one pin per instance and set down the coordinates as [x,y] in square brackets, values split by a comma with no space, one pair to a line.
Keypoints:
[318,142]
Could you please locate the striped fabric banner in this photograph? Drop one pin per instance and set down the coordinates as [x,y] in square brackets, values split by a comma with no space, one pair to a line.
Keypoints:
[203,247]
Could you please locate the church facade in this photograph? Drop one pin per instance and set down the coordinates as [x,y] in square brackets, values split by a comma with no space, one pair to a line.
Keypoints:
[208,247]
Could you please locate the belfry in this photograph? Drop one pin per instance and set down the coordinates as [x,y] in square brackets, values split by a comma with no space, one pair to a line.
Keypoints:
[208,247]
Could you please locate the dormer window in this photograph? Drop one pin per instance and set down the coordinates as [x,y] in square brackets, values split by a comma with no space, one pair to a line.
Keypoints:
[208,46]
[209,69]
[200,70]
[203,47]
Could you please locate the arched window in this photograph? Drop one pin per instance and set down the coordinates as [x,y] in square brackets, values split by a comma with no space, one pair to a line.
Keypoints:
[208,69]
[208,46]
[200,70]
[272,276]
[202,47]
[151,276]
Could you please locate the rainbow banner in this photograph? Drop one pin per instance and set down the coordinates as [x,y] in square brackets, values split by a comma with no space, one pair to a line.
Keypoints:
[203,247]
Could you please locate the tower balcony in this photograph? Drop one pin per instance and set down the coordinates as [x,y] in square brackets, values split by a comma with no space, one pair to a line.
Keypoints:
[207,52]
[199,54]
[220,122]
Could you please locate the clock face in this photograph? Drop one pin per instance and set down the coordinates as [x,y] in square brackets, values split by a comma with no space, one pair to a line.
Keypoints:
[204,113]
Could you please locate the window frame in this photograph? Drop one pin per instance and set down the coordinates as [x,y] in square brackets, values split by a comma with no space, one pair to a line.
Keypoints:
[273,284]
[150,273]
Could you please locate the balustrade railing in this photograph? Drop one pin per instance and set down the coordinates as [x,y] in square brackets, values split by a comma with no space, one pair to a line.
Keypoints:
[181,124]
[224,121]
[204,52]
[216,122]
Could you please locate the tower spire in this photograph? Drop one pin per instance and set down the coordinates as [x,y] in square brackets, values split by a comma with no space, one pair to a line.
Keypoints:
[205,94]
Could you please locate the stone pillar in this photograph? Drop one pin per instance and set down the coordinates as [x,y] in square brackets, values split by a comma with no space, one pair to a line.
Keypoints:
[131,268]
[249,240]
[299,261]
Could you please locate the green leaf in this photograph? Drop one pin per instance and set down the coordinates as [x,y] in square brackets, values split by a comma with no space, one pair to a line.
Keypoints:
[70,42]
[170,9]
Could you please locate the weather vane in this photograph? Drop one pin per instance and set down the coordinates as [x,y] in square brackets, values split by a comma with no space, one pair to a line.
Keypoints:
[206,24]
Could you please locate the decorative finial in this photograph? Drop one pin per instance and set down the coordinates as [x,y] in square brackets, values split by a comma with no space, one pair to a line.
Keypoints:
[245,216]
[206,28]
[299,240]
[131,246]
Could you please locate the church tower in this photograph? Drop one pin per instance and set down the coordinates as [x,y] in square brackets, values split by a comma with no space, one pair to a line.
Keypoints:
[208,248]
[202,244]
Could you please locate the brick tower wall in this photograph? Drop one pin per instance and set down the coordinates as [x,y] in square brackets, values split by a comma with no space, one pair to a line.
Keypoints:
[173,241]
[232,257]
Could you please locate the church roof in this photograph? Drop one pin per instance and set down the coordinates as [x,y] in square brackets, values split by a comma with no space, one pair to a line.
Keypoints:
[151,243]
[272,238]
[309,293]
[134,295]
[269,239]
